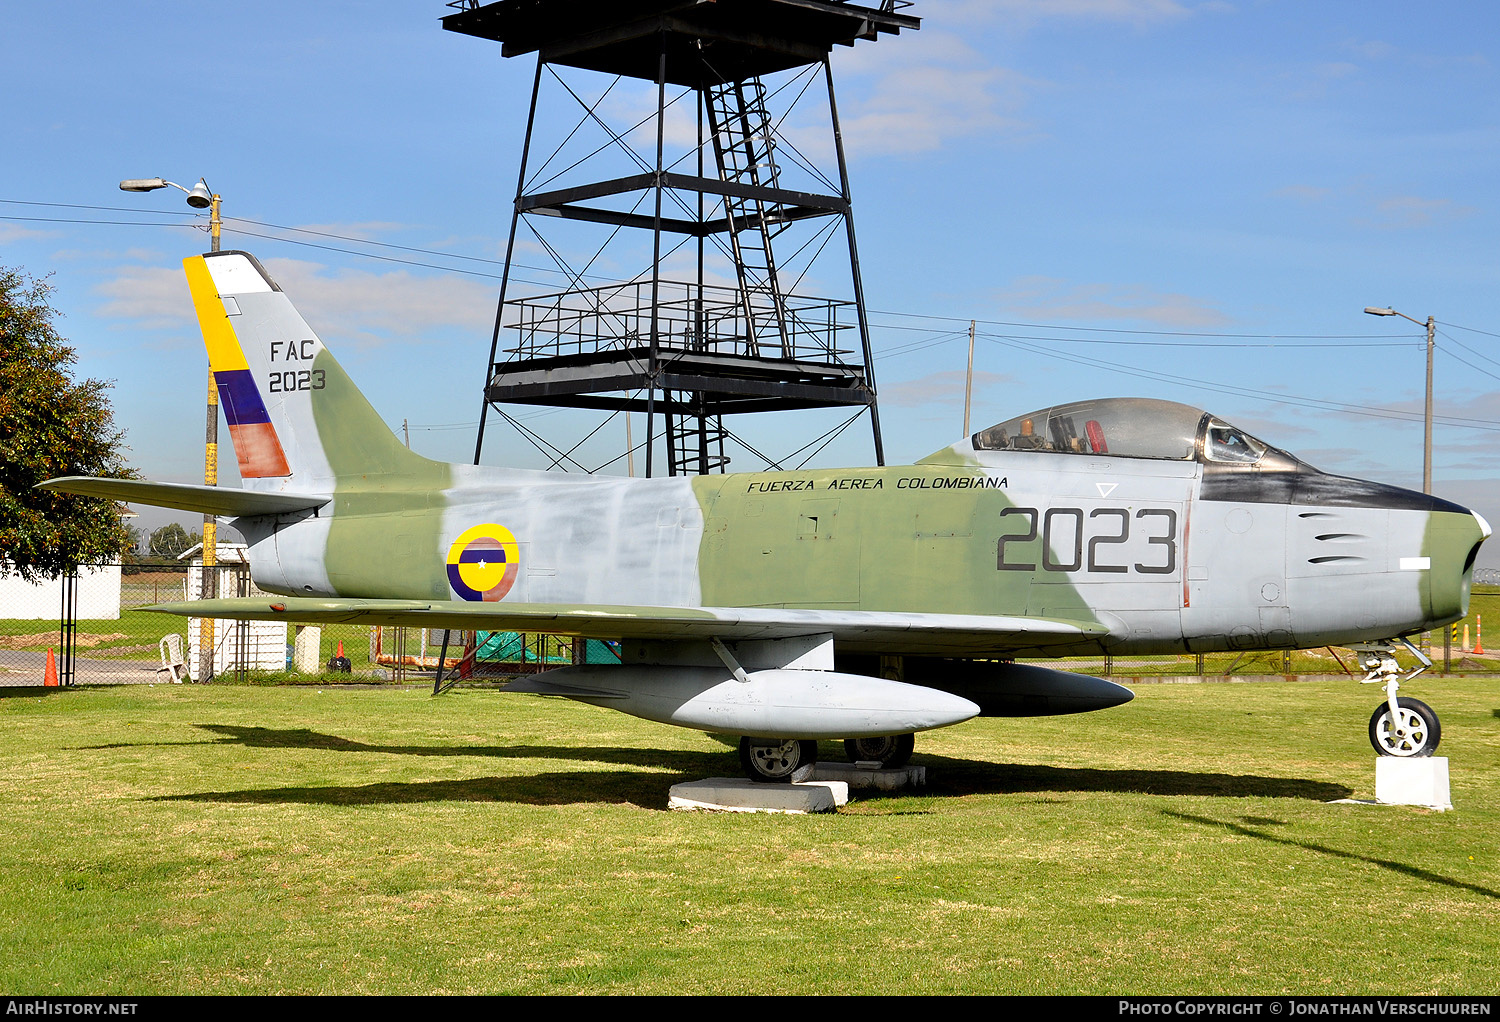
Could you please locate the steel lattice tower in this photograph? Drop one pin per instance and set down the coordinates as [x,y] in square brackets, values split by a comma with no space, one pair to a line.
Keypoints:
[740,191]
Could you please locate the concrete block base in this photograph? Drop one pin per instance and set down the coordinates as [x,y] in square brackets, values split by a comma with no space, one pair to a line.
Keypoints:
[742,795]
[1419,781]
[871,775]
[307,649]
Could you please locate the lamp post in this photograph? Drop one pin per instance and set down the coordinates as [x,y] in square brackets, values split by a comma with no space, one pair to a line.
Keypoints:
[1427,414]
[199,197]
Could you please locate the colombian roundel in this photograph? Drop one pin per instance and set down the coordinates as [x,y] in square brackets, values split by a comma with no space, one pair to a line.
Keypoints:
[482,563]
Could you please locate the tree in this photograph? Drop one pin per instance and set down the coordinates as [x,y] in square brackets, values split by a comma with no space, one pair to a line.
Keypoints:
[50,426]
[172,539]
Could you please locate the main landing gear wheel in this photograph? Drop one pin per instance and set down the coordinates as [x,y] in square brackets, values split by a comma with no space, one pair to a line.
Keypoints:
[767,759]
[1417,730]
[891,751]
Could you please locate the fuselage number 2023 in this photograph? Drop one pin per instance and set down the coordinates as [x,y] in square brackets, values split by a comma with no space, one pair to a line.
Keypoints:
[1064,546]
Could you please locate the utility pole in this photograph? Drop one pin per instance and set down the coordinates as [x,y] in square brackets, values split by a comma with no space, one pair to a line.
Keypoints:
[207,626]
[1427,418]
[969,380]
[199,197]
[1427,410]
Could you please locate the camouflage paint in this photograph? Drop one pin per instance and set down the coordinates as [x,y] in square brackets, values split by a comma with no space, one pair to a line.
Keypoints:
[913,538]
[1448,539]
[819,549]
[385,537]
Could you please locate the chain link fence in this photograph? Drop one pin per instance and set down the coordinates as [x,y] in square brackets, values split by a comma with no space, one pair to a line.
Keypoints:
[110,638]
[95,629]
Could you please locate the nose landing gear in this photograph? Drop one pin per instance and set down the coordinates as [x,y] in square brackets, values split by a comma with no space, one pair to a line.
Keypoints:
[1398,727]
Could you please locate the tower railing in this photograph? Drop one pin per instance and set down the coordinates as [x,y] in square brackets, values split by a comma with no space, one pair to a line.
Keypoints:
[690,317]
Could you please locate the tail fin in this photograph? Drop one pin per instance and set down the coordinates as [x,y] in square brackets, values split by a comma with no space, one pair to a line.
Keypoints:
[293,413]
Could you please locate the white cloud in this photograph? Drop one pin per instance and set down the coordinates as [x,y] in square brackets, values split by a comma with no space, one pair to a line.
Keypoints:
[944,388]
[362,231]
[1370,49]
[932,89]
[153,296]
[352,304]
[1139,12]
[1306,193]
[15,232]
[1412,211]
[1026,13]
[1045,298]
[1366,209]
[355,302]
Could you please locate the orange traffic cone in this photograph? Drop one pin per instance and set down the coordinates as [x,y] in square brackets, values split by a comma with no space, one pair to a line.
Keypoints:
[341,647]
[1478,635]
[50,680]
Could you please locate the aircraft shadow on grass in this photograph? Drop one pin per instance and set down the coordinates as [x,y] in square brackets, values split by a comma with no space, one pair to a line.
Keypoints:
[1414,872]
[952,776]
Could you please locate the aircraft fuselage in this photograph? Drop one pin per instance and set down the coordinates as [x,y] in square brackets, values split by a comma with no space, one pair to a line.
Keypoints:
[1166,554]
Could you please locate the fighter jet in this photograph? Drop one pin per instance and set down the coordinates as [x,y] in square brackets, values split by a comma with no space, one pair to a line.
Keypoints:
[863,604]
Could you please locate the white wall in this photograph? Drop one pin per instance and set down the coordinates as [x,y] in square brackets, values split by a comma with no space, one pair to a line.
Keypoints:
[98,595]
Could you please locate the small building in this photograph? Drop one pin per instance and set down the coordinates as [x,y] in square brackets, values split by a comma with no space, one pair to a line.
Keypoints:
[247,645]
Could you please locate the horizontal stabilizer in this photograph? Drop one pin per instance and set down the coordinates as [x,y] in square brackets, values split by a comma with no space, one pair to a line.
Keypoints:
[227,501]
[938,634]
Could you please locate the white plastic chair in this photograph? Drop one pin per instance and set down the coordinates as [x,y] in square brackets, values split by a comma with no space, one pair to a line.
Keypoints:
[172,662]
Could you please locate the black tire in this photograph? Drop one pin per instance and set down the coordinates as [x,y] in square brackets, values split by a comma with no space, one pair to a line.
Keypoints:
[891,751]
[778,761]
[1424,731]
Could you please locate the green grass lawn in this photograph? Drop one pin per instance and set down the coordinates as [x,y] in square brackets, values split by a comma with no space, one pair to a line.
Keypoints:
[222,839]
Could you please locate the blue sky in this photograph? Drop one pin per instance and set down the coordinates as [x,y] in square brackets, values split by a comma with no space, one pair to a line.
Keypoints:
[1167,198]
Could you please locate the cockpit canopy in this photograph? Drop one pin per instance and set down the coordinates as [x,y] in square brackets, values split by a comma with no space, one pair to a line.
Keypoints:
[1127,427]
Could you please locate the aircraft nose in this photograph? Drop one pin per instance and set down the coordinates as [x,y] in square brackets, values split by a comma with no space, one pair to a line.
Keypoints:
[1453,539]
[1485,532]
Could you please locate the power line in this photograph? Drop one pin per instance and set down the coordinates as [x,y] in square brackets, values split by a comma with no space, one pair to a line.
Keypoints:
[1379,338]
[1020,341]
[1263,395]
[1471,329]
[1122,330]
[542,269]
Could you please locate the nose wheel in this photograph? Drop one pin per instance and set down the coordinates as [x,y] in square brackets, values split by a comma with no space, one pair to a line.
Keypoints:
[1415,730]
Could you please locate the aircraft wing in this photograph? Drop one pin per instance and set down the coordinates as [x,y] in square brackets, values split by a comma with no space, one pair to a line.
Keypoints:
[854,630]
[212,500]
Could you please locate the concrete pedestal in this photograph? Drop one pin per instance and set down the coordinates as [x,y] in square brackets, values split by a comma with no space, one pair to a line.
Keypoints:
[871,775]
[1419,781]
[742,795]
[307,649]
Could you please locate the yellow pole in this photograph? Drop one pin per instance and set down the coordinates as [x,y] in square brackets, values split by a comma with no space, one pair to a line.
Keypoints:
[210,581]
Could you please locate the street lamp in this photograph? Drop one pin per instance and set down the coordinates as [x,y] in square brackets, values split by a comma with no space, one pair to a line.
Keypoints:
[1427,416]
[199,197]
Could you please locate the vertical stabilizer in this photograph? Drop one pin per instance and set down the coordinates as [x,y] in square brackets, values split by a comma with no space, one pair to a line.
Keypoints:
[296,419]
